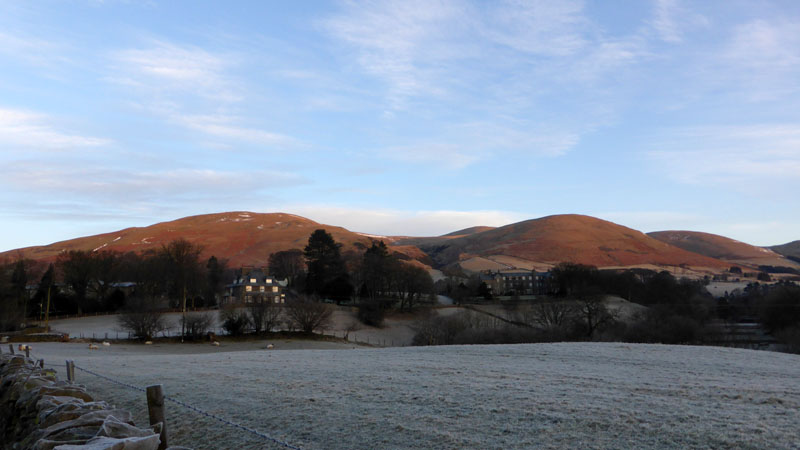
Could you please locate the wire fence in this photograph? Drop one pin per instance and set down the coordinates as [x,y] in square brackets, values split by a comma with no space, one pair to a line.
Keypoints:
[252,431]
[197,410]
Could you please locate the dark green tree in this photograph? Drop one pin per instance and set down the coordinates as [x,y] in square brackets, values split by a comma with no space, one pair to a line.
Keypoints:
[214,279]
[19,286]
[413,283]
[105,272]
[324,261]
[378,270]
[77,268]
[287,264]
[46,288]
[183,266]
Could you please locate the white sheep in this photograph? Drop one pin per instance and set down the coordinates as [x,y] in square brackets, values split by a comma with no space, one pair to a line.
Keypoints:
[270,347]
[215,344]
[148,342]
[106,344]
[93,347]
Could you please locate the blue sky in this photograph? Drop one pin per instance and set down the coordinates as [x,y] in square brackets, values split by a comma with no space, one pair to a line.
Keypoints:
[414,118]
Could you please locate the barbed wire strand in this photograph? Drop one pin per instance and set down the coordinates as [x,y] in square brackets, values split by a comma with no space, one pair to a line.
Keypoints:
[198,410]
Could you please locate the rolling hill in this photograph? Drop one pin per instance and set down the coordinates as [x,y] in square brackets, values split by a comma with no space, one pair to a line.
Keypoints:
[721,247]
[247,238]
[244,238]
[790,250]
[574,238]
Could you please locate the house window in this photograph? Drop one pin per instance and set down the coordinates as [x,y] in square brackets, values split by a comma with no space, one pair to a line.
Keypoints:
[253,280]
[261,288]
[274,288]
[248,288]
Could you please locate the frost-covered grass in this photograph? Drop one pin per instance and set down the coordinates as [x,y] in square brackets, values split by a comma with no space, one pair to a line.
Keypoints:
[395,331]
[576,395]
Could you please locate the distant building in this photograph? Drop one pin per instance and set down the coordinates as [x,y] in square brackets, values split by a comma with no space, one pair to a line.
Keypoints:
[254,285]
[517,281]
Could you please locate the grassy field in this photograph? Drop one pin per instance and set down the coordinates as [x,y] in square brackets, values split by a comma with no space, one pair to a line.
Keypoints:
[325,395]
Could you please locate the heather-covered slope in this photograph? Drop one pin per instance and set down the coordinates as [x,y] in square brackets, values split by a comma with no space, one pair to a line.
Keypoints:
[790,250]
[245,238]
[724,248]
[573,238]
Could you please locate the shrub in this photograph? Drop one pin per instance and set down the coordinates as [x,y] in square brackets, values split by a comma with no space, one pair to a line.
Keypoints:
[264,315]
[197,325]
[234,320]
[308,315]
[790,337]
[372,312]
[142,318]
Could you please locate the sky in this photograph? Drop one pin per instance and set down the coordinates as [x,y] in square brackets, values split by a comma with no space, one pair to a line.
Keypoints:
[400,118]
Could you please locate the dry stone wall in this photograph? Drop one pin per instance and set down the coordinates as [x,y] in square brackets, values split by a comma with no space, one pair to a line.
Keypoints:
[37,411]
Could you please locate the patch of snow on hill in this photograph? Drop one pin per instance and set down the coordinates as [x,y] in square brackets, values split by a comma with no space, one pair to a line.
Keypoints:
[374,236]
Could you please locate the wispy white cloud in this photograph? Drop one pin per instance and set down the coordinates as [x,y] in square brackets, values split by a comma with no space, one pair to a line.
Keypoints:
[399,42]
[21,128]
[465,144]
[762,59]
[665,21]
[164,66]
[389,222]
[103,185]
[227,127]
[450,55]
[33,51]
[436,154]
[189,86]
[538,27]
[749,157]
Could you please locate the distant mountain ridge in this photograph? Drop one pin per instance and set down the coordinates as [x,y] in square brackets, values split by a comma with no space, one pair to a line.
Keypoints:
[724,248]
[789,250]
[567,237]
[244,238]
[247,238]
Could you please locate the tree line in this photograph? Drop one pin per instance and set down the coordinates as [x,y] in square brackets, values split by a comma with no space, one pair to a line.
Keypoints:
[371,278]
[82,281]
[175,276]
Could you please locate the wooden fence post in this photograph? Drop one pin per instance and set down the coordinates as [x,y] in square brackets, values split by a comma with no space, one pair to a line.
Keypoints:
[70,371]
[27,351]
[11,348]
[155,408]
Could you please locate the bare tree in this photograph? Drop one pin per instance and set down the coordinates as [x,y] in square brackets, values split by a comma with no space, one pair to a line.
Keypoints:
[197,325]
[550,314]
[288,264]
[264,315]
[142,318]
[593,314]
[308,315]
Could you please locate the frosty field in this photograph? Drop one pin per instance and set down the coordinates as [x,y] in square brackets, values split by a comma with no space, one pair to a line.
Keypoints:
[506,396]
